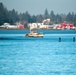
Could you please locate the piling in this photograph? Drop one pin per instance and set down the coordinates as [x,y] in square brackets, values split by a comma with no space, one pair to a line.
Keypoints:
[73,39]
[59,39]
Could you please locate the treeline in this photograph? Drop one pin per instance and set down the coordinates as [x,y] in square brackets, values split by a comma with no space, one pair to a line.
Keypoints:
[13,16]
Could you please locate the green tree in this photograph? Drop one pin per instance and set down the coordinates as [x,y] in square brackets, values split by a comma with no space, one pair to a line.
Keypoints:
[33,18]
[69,17]
[3,14]
[46,14]
[25,16]
[13,16]
[74,19]
[52,16]
[58,18]
[39,18]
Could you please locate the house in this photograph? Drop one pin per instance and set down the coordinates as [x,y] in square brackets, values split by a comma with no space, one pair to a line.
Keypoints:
[8,26]
[65,26]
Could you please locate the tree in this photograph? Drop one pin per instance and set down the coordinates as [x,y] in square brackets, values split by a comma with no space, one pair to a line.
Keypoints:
[3,14]
[25,16]
[13,16]
[52,16]
[74,19]
[58,18]
[69,17]
[33,18]
[63,17]
[39,18]
[46,14]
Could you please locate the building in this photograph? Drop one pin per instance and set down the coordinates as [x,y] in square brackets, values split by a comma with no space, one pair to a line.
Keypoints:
[8,26]
[65,26]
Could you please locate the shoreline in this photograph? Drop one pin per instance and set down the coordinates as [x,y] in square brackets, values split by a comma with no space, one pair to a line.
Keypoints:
[38,29]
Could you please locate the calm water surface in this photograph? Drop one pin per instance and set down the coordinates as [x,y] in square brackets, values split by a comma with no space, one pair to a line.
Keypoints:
[37,56]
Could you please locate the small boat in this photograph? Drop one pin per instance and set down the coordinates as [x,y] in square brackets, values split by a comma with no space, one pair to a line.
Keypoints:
[34,34]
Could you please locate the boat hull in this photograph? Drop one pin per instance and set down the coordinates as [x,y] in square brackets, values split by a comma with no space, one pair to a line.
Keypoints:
[37,35]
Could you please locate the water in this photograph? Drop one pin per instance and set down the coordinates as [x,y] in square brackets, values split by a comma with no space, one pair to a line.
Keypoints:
[37,56]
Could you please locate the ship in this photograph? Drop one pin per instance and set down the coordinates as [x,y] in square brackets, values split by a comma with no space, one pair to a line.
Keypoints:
[34,34]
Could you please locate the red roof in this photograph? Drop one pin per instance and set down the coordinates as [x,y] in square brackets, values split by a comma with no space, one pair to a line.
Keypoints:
[64,24]
[71,25]
[21,26]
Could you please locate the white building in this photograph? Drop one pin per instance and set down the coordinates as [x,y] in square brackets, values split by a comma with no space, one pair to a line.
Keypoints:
[8,26]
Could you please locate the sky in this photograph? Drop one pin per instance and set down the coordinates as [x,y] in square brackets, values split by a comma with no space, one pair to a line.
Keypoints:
[35,7]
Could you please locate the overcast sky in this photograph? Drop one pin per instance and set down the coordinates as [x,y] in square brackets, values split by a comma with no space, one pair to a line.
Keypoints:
[35,7]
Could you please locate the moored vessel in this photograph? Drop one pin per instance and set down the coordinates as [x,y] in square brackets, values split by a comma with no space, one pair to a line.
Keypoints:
[34,34]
